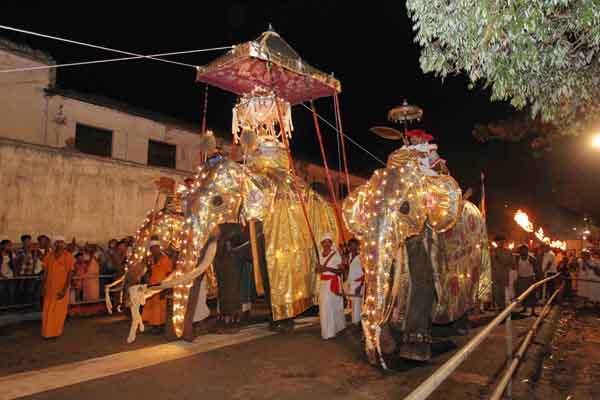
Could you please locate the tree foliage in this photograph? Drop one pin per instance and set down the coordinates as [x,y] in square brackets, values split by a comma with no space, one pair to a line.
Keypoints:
[539,54]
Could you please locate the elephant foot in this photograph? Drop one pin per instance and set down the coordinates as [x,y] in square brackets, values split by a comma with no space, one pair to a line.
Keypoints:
[415,351]
[245,318]
[284,326]
[229,329]
[387,342]
[227,326]
[416,346]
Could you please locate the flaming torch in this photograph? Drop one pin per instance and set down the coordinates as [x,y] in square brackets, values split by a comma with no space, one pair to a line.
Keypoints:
[540,235]
[522,220]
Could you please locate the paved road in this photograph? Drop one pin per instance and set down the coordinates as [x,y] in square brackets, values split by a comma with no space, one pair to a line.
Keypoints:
[263,366]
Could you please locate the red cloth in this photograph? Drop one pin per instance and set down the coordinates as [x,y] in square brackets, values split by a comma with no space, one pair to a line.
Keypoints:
[419,133]
[334,284]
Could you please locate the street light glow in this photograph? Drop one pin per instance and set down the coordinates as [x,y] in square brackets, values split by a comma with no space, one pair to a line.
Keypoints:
[596,141]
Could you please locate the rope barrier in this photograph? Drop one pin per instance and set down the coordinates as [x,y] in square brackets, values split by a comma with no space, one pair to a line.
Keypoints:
[129,53]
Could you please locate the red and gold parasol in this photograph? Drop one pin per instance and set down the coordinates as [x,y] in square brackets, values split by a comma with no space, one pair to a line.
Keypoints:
[247,66]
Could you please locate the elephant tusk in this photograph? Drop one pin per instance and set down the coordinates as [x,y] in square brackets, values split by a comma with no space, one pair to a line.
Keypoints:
[107,290]
[201,267]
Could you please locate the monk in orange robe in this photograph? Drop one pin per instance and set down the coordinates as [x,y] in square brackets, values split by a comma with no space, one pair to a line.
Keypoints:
[58,271]
[155,310]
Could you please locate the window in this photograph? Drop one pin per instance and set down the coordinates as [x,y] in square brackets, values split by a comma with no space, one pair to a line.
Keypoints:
[91,140]
[161,154]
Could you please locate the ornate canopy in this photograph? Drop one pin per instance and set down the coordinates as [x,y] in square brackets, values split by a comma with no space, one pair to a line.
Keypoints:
[246,67]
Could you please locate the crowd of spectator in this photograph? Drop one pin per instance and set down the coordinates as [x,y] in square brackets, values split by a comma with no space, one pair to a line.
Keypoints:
[21,269]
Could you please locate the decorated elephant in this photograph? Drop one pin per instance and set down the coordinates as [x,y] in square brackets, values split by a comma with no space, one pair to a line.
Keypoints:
[425,254]
[263,199]
[165,225]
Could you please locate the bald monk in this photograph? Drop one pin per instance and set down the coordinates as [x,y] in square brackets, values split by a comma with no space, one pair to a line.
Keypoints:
[58,271]
[160,265]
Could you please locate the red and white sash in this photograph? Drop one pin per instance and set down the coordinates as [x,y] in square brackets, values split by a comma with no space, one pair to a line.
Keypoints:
[334,280]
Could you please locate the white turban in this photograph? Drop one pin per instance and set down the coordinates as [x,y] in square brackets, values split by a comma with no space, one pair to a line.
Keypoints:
[59,238]
[327,236]
[154,243]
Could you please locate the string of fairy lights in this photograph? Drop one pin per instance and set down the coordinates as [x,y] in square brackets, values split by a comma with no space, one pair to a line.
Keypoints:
[187,235]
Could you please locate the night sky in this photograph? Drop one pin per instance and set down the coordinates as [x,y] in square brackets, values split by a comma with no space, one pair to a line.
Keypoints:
[369,48]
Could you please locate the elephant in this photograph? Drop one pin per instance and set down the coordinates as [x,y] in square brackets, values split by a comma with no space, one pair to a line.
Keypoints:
[261,192]
[166,225]
[425,254]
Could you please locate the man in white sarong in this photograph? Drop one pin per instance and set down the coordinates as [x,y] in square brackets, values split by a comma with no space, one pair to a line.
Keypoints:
[429,160]
[355,280]
[331,302]
[591,290]
[202,311]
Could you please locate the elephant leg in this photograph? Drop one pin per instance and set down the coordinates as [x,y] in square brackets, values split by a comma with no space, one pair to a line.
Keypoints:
[264,272]
[188,323]
[227,265]
[416,339]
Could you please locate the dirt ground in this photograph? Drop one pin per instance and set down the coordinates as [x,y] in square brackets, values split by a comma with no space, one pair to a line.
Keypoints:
[571,370]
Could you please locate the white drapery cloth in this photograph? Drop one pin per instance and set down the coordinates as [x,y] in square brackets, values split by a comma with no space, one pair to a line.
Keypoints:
[354,281]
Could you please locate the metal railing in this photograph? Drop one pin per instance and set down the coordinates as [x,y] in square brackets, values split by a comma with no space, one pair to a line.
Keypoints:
[438,377]
[513,362]
[25,291]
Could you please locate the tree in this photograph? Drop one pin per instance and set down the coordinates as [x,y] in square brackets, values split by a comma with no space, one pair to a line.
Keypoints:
[540,134]
[543,55]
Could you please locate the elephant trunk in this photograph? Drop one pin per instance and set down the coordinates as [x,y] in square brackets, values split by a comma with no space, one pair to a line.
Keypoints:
[139,293]
[379,256]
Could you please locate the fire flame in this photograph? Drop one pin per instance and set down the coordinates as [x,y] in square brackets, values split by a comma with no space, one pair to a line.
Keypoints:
[523,220]
[540,235]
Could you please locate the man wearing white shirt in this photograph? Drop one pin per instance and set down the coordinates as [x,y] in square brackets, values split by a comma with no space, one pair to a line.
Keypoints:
[355,280]
[331,302]
[429,159]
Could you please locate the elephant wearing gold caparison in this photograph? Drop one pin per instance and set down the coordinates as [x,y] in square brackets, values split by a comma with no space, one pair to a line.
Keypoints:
[425,256]
[227,194]
[262,189]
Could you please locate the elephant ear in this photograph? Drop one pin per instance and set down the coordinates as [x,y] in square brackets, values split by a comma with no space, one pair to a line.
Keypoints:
[353,210]
[444,202]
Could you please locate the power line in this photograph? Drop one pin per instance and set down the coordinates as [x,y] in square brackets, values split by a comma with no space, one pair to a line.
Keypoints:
[61,39]
[40,67]
[346,136]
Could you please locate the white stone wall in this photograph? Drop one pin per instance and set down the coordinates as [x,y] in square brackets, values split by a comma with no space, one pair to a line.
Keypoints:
[22,102]
[52,191]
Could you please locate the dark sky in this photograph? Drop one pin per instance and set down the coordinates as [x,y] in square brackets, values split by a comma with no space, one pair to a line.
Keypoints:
[370,49]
